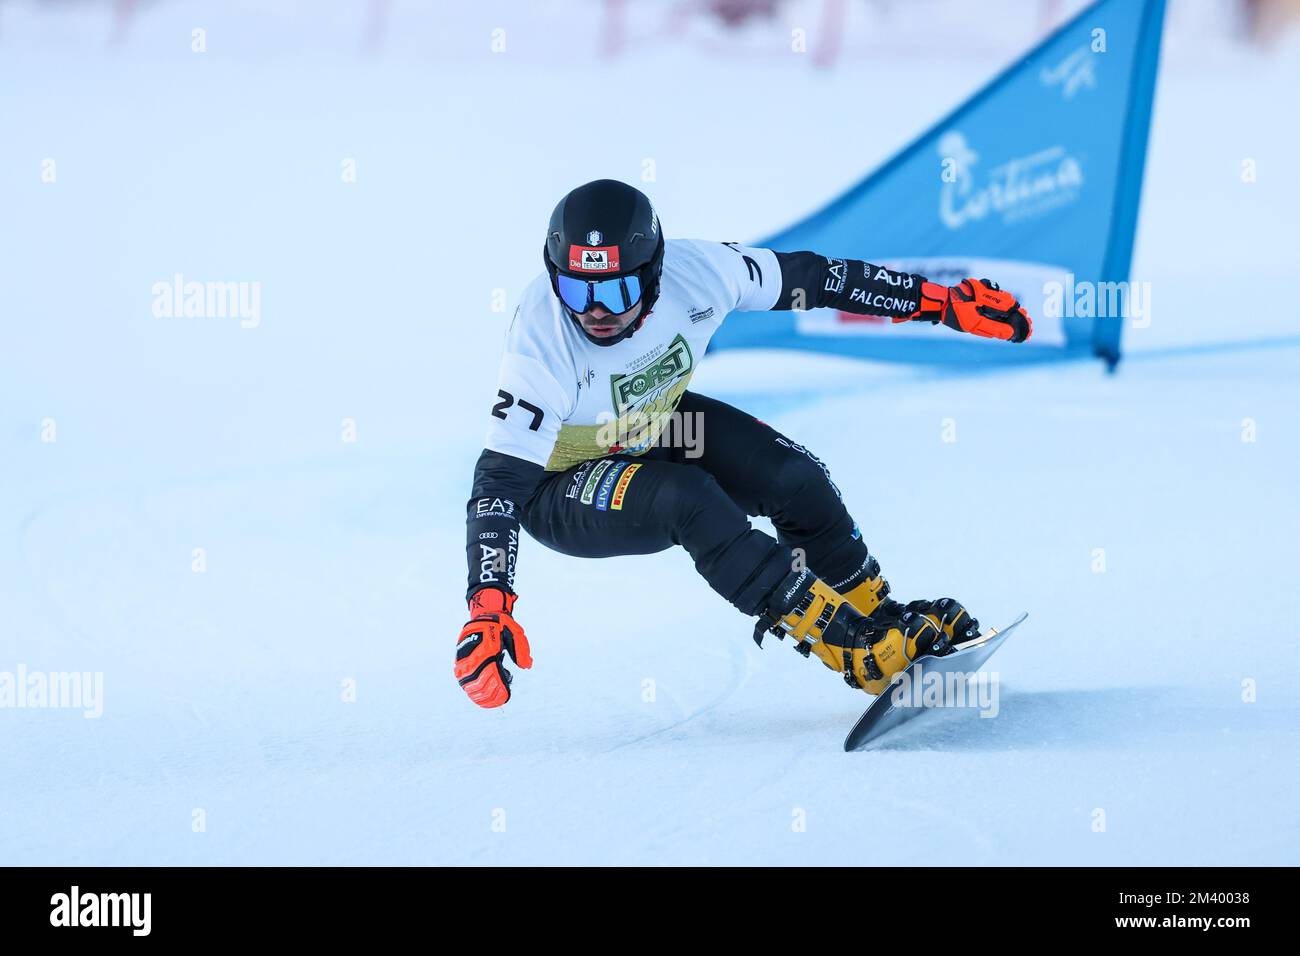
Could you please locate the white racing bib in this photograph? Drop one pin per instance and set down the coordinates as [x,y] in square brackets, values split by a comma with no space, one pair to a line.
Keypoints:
[563,400]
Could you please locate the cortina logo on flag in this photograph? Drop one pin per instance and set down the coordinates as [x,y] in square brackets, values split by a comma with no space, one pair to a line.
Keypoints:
[1039,176]
[593,258]
[1019,188]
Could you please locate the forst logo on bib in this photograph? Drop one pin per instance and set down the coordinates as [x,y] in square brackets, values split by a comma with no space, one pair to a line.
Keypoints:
[635,388]
[593,258]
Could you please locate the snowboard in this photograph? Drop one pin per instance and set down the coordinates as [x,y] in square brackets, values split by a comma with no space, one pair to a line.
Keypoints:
[905,698]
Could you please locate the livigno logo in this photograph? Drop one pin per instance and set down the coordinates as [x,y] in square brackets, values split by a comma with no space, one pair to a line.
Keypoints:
[634,389]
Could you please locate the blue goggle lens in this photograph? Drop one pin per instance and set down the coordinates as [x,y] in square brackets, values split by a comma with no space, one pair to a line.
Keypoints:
[616,295]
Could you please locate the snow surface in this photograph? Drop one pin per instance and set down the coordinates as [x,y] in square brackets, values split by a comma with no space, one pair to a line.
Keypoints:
[330,561]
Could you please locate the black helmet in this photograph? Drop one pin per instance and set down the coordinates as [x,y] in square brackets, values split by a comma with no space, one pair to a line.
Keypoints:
[603,231]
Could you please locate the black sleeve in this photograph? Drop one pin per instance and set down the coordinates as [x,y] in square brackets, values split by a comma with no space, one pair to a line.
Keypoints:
[810,281]
[502,484]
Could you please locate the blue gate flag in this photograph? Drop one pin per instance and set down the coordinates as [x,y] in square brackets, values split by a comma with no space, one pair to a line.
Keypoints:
[1033,182]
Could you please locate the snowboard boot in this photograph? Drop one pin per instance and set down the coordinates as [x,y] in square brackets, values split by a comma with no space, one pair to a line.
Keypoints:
[867,651]
[946,614]
[872,592]
[902,633]
[871,597]
[950,617]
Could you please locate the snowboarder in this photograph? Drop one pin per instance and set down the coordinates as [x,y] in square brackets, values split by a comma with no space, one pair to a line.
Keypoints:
[588,445]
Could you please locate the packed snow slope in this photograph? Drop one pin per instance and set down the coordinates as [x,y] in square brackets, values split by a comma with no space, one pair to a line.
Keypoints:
[1147,520]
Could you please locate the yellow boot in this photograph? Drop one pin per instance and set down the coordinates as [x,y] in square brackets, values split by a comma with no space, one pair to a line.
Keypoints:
[867,651]
[950,617]
[897,639]
[902,637]
[870,593]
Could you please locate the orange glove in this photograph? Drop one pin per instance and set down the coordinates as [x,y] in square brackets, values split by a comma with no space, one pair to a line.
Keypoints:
[484,642]
[976,306]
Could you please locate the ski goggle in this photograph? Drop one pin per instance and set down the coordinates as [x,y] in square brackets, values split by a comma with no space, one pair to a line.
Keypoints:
[617,295]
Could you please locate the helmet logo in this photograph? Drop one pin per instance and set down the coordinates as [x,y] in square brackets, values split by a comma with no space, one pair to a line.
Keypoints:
[594,238]
[593,258]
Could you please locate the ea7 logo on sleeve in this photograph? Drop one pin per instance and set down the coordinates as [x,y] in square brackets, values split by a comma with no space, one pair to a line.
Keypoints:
[837,271]
[102,909]
[498,507]
[593,258]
